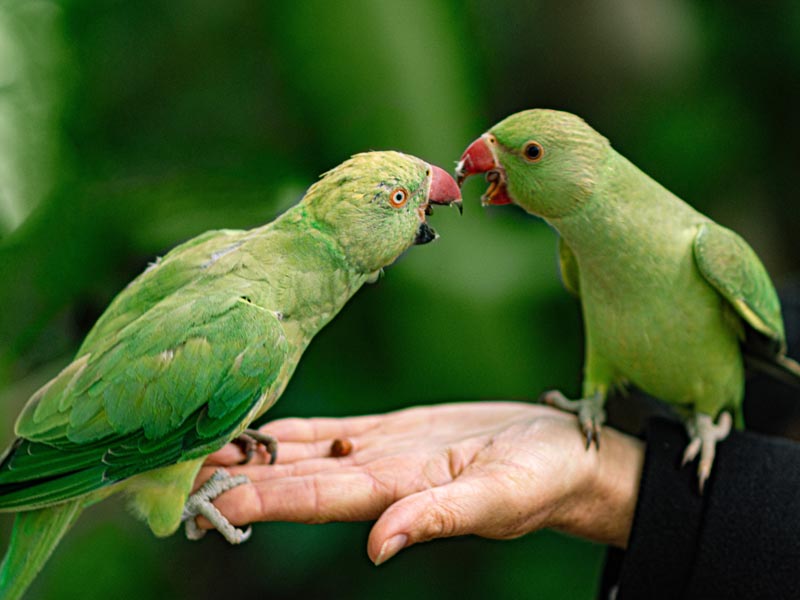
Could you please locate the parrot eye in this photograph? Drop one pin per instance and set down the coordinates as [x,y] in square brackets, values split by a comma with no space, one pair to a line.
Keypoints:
[533,152]
[398,197]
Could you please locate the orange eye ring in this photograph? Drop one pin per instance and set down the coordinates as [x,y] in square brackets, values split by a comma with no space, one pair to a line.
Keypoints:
[533,152]
[398,197]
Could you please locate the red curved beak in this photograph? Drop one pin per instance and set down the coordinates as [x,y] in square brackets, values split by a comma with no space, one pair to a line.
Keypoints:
[479,158]
[444,189]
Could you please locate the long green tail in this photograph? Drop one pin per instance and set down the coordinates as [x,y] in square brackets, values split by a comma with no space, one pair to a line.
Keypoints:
[33,539]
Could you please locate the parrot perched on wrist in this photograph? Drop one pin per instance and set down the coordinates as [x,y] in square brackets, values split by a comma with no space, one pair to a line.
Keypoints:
[200,344]
[672,302]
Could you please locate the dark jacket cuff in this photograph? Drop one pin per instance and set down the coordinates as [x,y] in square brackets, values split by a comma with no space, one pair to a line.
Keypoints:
[740,539]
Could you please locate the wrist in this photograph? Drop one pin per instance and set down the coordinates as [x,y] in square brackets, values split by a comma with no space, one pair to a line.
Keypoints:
[604,501]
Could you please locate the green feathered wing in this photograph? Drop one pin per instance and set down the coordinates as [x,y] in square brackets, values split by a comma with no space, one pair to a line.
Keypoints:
[568,265]
[728,263]
[175,383]
[179,268]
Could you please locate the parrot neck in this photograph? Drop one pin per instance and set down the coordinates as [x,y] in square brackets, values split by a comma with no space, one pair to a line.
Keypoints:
[319,280]
[628,211]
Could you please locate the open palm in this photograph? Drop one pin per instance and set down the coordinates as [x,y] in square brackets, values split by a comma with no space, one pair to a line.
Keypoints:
[494,469]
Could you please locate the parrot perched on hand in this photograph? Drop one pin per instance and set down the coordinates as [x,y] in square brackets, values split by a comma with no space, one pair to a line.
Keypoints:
[672,302]
[203,342]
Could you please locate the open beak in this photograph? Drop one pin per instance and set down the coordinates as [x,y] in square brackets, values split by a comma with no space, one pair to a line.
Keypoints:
[479,158]
[443,190]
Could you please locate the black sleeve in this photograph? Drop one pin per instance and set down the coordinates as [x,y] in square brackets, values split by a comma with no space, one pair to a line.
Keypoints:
[740,539]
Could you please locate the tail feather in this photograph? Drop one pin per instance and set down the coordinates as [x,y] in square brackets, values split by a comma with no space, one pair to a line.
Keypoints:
[33,539]
[780,367]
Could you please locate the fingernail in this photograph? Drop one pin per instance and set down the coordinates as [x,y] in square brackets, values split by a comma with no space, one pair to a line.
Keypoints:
[391,547]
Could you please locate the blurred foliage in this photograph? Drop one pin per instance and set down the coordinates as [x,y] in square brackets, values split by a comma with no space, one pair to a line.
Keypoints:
[127,127]
[35,74]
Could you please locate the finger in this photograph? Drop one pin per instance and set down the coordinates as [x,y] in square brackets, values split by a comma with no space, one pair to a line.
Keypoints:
[349,495]
[320,428]
[291,452]
[229,454]
[458,508]
[288,452]
[256,473]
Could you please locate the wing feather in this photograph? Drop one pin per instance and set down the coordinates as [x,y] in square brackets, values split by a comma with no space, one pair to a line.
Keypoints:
[176,383]
[728,263]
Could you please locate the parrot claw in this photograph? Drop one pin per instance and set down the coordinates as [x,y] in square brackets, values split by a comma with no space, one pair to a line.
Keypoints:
[591,429]
[691,451]
[704,435]
[199,503]
[589,435]
[250,439]
[590,413]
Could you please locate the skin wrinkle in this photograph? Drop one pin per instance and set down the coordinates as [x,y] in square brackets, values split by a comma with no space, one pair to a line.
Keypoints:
[525,517]
[395,493]
[261,499]
[315,430]
[315,482]
[442,521]
[380,487]
[520,474]
[456,461]
[454,466]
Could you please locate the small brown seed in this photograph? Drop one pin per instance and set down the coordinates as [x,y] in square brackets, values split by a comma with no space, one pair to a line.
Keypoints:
[341,447]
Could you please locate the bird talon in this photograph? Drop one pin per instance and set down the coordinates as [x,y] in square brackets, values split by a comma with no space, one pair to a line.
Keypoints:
[591,415]
[193,532]
[200,503]
[250,440]
[554,398]
[243,536]
[723,426]
[704,435]
[591,430]
[703,473]
[691,451]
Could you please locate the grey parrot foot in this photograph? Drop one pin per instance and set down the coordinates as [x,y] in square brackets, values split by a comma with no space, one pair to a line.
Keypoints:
[249,441]
[199,503]
[591,414]
[704,435]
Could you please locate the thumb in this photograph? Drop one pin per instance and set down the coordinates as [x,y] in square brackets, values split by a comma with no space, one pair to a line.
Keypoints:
[458,508]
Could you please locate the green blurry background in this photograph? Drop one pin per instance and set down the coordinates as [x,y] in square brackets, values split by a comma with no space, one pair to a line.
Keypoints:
[128,127]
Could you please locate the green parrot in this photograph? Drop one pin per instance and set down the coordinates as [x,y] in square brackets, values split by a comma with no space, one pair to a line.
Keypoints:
[200,344]
[672,302]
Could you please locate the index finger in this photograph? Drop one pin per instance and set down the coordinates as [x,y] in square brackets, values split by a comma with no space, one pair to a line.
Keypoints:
[346,495]
[317,429]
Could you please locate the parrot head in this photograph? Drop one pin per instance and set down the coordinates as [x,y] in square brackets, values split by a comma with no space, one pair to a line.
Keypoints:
[375,205]
[545,161]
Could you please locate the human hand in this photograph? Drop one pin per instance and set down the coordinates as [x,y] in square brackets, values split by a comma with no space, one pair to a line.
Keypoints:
[494,469]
